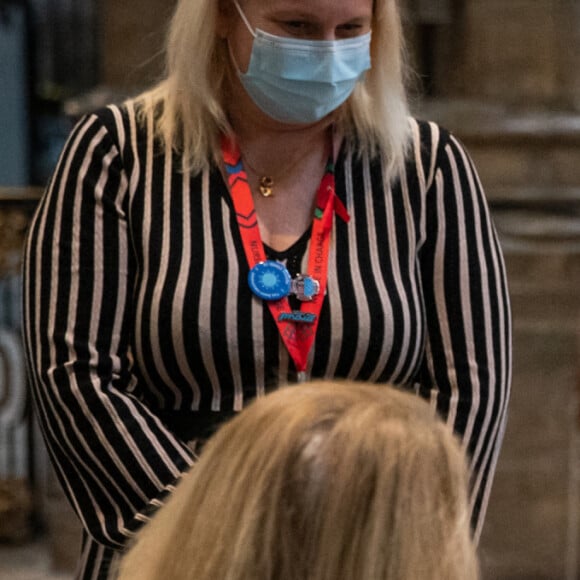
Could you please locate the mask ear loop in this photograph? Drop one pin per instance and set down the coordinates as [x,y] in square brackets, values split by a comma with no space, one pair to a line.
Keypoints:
[249,27]
[233,58]
[244,18]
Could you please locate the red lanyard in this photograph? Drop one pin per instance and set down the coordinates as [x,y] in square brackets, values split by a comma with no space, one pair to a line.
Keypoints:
[297,336]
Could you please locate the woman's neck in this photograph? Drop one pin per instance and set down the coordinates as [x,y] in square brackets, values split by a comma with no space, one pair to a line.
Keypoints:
[267,140]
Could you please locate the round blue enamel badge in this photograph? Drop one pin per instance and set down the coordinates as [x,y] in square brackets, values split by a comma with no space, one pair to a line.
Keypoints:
[270,280]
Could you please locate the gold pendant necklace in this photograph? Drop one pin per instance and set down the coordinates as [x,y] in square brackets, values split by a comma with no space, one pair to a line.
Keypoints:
[266,182]
[266,186]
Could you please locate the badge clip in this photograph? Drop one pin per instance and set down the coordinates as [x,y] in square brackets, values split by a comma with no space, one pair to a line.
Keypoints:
[305,287]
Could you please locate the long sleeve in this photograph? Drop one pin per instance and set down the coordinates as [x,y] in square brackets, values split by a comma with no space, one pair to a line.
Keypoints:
[114,458]
[467,367]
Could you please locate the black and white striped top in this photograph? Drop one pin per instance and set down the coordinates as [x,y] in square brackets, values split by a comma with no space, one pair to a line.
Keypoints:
[137,305]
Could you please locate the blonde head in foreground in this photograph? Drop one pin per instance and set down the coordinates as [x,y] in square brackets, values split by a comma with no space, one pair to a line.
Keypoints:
[326,481]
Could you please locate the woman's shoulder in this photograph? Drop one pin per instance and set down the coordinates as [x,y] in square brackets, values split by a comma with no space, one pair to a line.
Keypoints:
[122,127]
[116,118]
[432,146]
[428,135]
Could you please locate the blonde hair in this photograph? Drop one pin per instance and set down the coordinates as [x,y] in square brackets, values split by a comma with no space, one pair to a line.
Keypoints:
[326,481]
[188,104]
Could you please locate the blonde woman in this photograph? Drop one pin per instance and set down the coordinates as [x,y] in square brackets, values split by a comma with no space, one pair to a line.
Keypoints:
[266,215]
[325,481]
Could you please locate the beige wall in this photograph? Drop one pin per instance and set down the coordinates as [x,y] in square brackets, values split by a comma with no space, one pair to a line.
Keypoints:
[132,38]
[519,52]
[523,52]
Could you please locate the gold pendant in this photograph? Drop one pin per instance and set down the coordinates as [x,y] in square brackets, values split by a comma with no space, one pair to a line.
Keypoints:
[266,186]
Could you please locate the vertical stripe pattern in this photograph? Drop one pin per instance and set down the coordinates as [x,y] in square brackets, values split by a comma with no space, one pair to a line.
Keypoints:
[136,302]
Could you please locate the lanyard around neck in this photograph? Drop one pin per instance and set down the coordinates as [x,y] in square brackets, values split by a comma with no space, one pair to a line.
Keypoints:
[297,329]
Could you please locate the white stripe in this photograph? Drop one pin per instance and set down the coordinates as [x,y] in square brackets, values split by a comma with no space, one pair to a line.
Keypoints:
[136,170]
[123,257]
[420,170]
[160,282]
[440,300]
[435,138]
[364,315]
[208,273]
[465,293]
[415,285]
[258,338]
[178,306]
[388,329]
[119,127]
[394,242]
[140,316]
[231,309]
[335,311]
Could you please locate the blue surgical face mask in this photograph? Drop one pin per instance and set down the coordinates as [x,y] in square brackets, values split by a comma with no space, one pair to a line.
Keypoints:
[301,81]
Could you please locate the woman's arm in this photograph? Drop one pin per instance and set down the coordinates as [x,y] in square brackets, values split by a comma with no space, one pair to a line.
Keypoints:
[114,459]
[467,368]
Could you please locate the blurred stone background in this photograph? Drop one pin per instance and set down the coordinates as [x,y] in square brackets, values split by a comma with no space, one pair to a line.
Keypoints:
[503,75]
